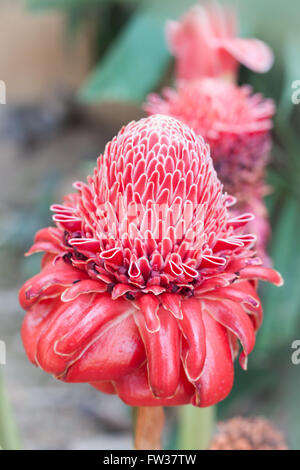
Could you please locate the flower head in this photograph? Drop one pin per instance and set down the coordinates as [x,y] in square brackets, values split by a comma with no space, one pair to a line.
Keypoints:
[205,44]
[147,283]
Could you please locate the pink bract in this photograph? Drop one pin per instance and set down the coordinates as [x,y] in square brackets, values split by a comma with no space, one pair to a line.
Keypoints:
[205,44]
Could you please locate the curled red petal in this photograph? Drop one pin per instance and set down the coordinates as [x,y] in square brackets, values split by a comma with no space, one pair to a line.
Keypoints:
[77,332]
[172,302]
[48,258]
[46,282]
[36,319]
[163,353]
[73,328]
[120,289]
[256,314]
[193,330]
[116,351]
[60,324]
[262,274]
[48,240]
[216,379]
[236,295]
[149,305]
[232,316]
[87,286]
[134,390]
[105,387]
[85,244]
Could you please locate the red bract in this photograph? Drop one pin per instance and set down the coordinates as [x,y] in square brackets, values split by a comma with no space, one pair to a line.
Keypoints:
[205,43]
[236,124]
[147,283]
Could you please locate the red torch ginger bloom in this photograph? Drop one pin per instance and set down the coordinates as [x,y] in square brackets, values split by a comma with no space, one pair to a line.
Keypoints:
[236,124]
[205,44]
[147,284]
[233,121]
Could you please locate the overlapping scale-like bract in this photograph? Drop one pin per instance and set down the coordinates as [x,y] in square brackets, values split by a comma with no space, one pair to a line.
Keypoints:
[147,284]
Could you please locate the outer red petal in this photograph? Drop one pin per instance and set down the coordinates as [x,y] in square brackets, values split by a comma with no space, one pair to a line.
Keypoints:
[46,239]
[232,316]
[163,353]
[134,390]
[64,320]
[86,286]
[105,387]
[193,330]
[172,302]
[48,282]
[216,380]
[149,305]
[117,351]
[73,328]
[263,274]
[236,295]
[35,320]
[255,314]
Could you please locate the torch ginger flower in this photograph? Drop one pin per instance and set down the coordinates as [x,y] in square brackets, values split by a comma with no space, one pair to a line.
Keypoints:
[147,285]
[205,44]
[236,124]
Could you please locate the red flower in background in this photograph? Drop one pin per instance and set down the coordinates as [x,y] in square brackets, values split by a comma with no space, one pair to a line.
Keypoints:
[205,44]
[147,284]
[233,121]
[236,124]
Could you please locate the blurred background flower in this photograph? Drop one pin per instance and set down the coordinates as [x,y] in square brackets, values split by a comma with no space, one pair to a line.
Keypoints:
[236,124]
[75,70]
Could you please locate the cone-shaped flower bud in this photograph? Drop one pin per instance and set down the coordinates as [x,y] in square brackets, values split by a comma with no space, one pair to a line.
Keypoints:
[147,285]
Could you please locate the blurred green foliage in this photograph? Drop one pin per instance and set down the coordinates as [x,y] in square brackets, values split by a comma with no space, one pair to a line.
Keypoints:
[9,439]
[131,59]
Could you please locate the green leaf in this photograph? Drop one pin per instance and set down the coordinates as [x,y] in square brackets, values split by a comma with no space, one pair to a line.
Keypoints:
[136,60]
[9,439]
[133,64]
[282,305]
[61,4]
[291,74]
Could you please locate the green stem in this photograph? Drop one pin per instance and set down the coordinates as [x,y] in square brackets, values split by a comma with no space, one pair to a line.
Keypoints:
[8,434]
[195,427]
